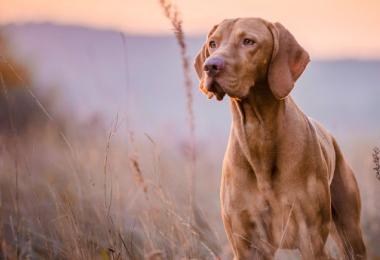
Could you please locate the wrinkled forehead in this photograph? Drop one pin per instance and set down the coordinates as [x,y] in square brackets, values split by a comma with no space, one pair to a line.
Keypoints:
[255,26]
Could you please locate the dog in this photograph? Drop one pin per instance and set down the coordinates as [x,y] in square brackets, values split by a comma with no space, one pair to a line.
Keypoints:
[285,183]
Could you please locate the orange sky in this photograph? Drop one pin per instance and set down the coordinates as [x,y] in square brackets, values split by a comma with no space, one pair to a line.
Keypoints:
[326,28]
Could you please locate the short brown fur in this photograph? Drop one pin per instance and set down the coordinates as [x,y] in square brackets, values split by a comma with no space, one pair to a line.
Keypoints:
[285,183]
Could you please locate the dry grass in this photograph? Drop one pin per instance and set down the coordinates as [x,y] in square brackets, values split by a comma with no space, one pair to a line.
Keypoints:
[53,206]
[49,209]
[171,12]
[376,161]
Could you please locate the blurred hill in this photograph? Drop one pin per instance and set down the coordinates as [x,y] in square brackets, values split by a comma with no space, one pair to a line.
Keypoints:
[98,74]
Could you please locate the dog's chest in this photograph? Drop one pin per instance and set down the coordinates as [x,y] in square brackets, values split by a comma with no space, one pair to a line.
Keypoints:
[257,145]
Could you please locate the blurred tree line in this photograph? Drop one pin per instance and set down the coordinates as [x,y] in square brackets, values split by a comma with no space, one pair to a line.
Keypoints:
[18,108]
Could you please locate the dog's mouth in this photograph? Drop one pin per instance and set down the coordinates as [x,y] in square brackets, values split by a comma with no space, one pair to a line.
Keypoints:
[214,87]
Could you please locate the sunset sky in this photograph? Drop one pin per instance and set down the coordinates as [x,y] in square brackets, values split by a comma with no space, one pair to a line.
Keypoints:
[326,28]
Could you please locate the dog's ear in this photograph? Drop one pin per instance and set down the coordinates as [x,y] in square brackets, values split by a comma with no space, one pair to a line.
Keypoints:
[202,55]
[288,61]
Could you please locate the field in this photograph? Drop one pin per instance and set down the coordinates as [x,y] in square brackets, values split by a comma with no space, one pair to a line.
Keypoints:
[71,193]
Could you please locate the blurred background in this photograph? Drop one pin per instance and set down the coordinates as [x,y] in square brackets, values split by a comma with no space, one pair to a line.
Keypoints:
[94,136]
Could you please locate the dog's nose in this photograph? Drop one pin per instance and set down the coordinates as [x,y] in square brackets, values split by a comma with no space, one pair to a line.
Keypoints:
[213,65]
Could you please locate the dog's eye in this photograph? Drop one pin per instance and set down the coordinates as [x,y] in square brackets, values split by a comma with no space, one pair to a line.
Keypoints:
[248,42]
[212,44]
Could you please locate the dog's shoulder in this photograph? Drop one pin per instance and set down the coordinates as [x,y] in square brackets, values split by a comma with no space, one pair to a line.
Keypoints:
[326,142]
[320,130]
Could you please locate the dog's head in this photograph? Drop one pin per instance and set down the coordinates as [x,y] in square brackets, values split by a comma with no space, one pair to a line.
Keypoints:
[240,53]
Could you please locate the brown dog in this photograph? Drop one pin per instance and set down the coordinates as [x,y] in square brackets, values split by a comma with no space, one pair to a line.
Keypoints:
[285,182]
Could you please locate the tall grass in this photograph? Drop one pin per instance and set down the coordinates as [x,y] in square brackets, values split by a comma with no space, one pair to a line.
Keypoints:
[171,12]
[376,161]
[53,211]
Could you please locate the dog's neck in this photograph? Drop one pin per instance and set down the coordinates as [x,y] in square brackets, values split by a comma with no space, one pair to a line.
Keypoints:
[259,107]
[257,120]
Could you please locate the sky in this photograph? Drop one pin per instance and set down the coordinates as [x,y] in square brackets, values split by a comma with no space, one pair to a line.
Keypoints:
[326,28]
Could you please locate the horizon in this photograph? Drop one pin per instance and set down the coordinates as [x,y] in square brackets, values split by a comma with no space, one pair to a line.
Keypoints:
[168,35]
[345,29]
